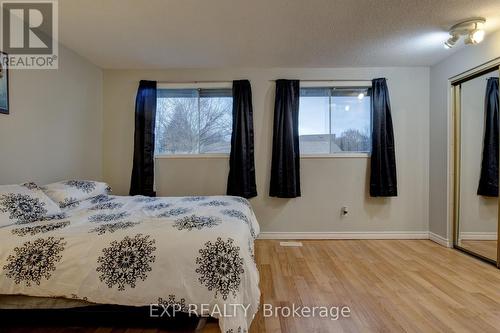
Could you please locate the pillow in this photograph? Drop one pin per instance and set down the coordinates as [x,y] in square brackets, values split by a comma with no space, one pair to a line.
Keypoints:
[25,203]
[68,193]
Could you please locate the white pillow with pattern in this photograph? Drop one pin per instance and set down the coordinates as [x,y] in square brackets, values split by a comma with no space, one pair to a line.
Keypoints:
[25,203]
[68,193]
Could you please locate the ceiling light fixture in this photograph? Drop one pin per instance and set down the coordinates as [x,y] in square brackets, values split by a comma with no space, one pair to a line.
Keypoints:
[472,30]
[361,96]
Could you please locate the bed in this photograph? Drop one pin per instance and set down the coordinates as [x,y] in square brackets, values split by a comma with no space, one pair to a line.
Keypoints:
[191,254]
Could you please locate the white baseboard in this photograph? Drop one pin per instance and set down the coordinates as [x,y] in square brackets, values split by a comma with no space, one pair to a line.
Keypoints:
[440,240]
[478,235]
[357,235]
[345,235]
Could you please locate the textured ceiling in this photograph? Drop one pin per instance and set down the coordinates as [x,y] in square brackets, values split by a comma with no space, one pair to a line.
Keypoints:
[265,33]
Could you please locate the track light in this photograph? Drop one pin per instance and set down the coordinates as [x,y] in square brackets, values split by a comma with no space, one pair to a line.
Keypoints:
[474,37]
[472,30]
[477,36]
[451,41]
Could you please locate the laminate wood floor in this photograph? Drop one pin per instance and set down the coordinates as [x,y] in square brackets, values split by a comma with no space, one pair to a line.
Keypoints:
[389,286]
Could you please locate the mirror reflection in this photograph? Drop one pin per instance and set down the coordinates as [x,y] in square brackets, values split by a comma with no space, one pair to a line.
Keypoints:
[479,151]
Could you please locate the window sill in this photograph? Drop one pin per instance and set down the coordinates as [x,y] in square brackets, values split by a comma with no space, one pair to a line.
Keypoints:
[192,156]
[338,155]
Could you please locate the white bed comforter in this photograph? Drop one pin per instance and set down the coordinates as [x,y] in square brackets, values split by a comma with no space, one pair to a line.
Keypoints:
[176,251]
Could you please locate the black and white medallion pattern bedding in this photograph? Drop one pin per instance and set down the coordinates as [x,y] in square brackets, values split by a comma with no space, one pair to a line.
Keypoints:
[69,193]
[25,203]
[139,251]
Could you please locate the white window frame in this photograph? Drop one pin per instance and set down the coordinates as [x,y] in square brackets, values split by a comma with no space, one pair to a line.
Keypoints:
[335,84]
[194,85]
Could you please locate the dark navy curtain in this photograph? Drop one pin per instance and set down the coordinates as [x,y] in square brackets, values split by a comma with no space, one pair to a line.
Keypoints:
[142,181]
[285,165]
[241,179]
[488,181]
[383,180]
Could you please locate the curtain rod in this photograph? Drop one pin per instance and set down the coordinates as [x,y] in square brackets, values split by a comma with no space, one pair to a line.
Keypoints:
[211,81]
[332,80]
[230,81]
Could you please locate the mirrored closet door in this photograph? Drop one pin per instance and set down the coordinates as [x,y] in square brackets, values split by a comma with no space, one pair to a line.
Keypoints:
[476,220]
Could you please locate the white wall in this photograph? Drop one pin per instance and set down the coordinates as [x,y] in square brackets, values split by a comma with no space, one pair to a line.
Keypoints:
[327,184]
[477,213]
[462,60]
[54,129]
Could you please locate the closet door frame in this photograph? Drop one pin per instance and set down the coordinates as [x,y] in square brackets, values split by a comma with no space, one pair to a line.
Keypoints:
[455,148]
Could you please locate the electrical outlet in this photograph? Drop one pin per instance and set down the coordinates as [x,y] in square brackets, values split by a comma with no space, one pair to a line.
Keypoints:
[344,211]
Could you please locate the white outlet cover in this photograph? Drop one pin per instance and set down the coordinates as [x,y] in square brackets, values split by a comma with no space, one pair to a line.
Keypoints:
[291,244]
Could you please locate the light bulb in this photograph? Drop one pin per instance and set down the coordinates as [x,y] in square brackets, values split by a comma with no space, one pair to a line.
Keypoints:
[361,96]
[477,36]
[347,107]
[451,41]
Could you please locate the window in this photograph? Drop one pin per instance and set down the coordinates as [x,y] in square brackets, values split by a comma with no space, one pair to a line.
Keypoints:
[193,121]
[335,120]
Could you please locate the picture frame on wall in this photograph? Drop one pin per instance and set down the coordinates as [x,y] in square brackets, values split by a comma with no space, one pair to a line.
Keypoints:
[4,83]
